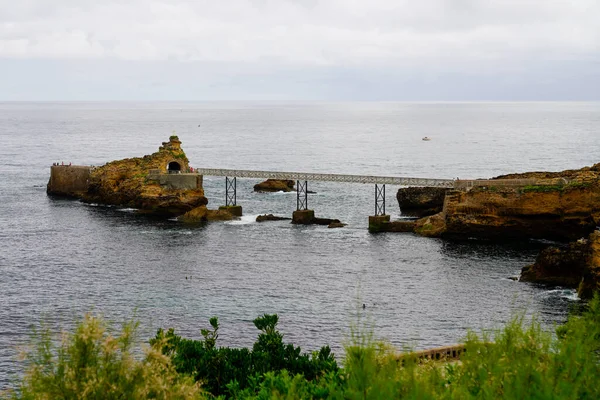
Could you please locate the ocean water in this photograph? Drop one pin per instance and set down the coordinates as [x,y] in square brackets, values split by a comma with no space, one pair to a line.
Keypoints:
[61,258]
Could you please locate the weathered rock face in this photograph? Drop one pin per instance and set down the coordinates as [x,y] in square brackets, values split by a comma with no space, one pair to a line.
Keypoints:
[559,266]
[275,185]
[203,214]
[575,265]
[421,201]
[590,282]
[67,180]
[125,182]
[432,226]
[558,208]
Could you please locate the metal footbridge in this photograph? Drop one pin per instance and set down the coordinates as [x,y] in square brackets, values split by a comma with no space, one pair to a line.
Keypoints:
[302,179]
[304,176]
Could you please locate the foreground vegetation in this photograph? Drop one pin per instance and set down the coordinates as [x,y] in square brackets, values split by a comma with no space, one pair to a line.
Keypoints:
[519,361]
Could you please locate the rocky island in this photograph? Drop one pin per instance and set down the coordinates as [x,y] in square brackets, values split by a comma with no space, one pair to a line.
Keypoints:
[154,184]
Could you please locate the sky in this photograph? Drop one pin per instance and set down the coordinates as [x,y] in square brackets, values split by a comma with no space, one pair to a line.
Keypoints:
[305,50]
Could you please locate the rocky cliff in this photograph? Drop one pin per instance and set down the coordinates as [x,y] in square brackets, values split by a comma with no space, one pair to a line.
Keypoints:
[561,206]
[126,183]
[575,265]
[421,201]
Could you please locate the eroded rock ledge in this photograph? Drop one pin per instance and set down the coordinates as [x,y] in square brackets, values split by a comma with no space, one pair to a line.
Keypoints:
[562,206]
[421,201]
[576,265]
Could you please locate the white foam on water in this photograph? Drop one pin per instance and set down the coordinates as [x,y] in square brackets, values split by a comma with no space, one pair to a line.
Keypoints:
[127,210]
[569,294]
[282,192]
[244,220]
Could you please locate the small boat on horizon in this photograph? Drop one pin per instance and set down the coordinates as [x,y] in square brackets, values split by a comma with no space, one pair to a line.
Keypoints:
[426,138]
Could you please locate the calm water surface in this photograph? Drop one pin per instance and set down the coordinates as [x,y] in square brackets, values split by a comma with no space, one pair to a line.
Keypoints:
[61,258]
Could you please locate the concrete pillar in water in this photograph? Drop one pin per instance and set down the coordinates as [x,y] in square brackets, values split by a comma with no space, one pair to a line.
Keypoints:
[236,211]
[303,217]
[378,223]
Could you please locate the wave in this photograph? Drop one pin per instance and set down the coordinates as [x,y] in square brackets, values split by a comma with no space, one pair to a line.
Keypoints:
[244,220]
[569,294]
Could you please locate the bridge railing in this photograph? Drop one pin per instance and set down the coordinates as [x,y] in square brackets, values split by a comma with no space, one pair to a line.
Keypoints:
[303,176]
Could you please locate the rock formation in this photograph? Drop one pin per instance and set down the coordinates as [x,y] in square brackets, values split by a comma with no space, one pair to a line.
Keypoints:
[127,183]
[421,201]
[271,217]
[575,265]
[203,214]
[562,206]
[275,185]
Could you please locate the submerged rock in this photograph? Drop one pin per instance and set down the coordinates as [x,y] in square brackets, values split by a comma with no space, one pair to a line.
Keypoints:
[275,185]
[270,217]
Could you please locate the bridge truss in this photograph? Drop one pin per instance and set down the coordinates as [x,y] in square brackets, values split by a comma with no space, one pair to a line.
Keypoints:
[302,179]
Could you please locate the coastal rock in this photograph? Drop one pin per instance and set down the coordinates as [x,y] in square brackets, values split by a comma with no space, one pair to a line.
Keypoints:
[270,217]
[558,206]
[590,282]
[335,224]
[307,217]
[325,221]
[68,180]
[432,226]
[128,183]
[421,201]
[275,185]
[400,226]
[576,265]
[562,266]
[203,214]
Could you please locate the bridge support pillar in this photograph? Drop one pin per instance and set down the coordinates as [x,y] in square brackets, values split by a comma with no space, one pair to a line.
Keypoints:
[236,211]
[378,223]
[231,197]
[303,217]
[301,195]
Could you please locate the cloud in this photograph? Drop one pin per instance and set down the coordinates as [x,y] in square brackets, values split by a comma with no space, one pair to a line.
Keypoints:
[223,41]
[336,32]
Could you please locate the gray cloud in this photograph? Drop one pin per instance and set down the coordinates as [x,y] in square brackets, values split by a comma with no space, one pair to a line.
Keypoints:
[228,48]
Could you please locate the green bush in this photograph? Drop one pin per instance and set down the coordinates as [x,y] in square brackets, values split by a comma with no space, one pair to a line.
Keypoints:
[226,370]
[93,364]
[521,361]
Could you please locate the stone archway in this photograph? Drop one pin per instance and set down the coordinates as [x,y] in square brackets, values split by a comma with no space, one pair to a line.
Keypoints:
[174,167]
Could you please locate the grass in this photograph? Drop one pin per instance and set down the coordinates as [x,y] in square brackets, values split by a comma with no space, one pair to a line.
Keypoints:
[520,361]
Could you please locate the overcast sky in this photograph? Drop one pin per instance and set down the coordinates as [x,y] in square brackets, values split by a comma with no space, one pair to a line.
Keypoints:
[423,50]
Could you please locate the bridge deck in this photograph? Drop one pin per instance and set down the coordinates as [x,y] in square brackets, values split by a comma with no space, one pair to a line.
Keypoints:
[303,176]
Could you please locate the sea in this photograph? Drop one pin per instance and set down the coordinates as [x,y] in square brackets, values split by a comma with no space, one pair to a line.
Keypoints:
[61,258]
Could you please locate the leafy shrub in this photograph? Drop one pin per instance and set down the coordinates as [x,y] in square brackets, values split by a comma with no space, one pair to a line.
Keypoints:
[93,364]
[227,370]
